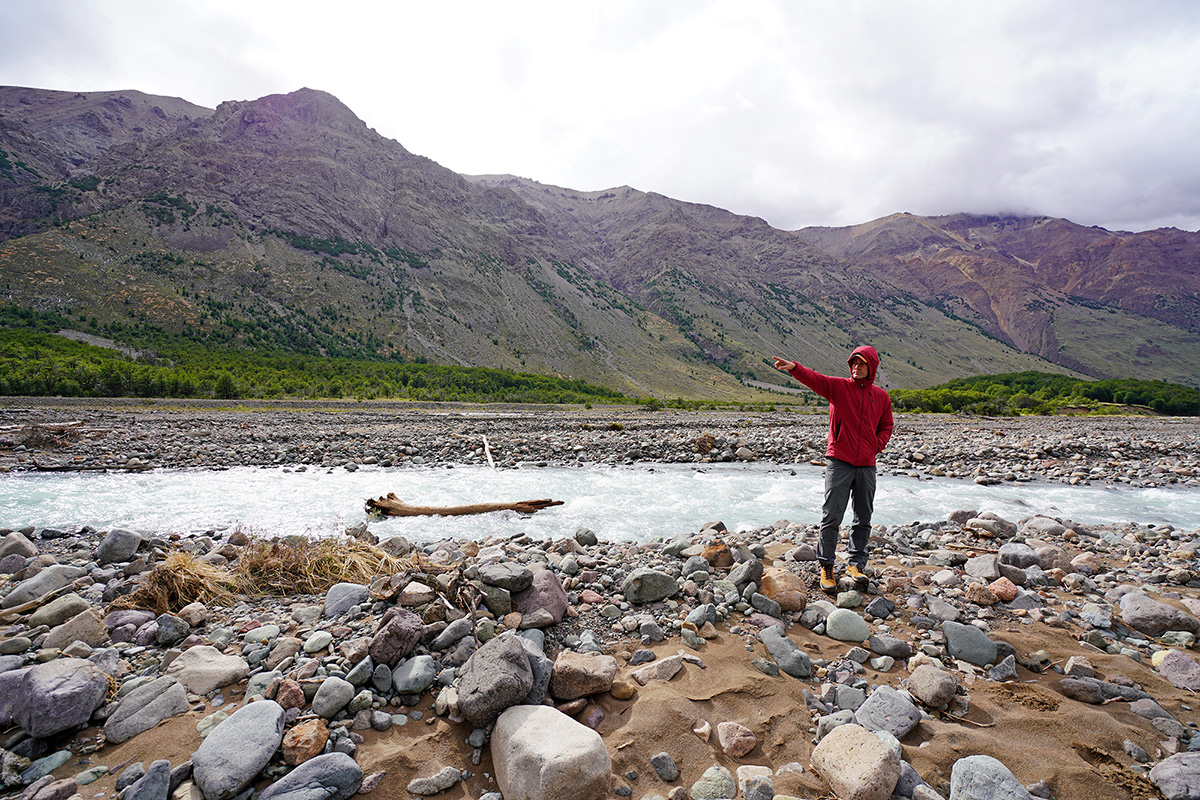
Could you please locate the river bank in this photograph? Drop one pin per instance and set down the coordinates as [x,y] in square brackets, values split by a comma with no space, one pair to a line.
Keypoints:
[986,653]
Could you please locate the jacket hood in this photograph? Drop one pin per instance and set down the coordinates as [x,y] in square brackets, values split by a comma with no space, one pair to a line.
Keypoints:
[872,358]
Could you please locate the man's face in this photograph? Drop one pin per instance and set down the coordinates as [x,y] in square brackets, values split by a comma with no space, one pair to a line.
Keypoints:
[858,368]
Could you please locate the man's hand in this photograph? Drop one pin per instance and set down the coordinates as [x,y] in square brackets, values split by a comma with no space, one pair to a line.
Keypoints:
[783,365]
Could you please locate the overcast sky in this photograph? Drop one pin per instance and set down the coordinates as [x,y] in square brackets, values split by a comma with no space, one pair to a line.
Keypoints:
[829,112]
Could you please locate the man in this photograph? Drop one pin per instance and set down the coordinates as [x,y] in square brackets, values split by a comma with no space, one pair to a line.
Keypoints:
[860,424]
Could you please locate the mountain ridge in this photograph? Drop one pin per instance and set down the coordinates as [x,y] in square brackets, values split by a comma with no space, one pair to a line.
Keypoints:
[288,219]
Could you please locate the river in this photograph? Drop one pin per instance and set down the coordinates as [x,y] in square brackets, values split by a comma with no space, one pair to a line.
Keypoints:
[637,503]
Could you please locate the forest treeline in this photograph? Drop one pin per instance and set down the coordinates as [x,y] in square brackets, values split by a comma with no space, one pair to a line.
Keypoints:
[1045,393]
[38,364]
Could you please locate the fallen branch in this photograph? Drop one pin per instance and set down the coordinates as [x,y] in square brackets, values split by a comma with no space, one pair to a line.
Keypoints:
[392,506]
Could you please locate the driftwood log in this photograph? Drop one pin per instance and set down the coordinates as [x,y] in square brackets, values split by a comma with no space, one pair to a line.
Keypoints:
[392,506]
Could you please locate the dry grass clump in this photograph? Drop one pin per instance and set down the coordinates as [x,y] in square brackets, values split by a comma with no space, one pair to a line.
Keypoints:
[180,579]
[310,566]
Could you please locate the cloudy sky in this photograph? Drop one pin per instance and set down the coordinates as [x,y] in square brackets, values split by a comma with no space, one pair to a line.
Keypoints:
[803,112]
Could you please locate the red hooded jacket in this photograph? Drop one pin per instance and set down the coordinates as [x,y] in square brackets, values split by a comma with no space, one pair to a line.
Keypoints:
[860,413]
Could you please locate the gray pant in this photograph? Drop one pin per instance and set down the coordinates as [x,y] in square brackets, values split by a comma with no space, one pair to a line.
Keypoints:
[843,481]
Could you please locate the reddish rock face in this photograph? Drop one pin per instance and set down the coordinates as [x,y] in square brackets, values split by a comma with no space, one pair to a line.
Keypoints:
[545,594]
[396,637]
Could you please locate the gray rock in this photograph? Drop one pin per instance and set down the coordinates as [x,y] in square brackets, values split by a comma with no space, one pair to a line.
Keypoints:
[497,676]
[442,780]
[968,643]
[984,778]
[233,754]
[118,546]
[846,626]
[341,597]
[332,776]
[16,543]
[414,676]
[884,645]
[86,627]
[750,571]
[155,784]
[203,669]
[540,666]
[828,722]
[1006,670]
[645,585]
[716,783]
[59,610]
[1018,555]
[56,696]
[171,629]
[455,631]
[790,658]
[1153,618]
[888,710]
[665,767]
[932,686]
[507,575]
[49,579]
[539,753]
[145,707]
[332,696]
[1178,777]
[985,567]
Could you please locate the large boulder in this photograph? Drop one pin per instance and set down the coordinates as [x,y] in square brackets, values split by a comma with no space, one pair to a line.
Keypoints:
[119,545]
[539,753]
[856,764]
[984,778]
[203,669]
[58,695]
[888,710]
[645,585]
[1178,777]
[86,627]
[1142,613]
[497,676]
[581,674]
[49,579]
[233,754]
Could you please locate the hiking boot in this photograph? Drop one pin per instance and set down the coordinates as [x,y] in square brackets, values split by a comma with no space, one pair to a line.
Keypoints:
[858,575]
[828,582]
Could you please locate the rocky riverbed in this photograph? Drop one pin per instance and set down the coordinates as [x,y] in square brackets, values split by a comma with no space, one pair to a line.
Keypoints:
[987,657]
[1138,451]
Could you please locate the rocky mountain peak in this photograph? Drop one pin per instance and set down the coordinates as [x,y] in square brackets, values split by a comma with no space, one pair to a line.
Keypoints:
[285,116]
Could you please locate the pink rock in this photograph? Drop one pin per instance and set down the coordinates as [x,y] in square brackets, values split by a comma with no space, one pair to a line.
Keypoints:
[546,594]
[590,597]
[736,740]
[1004,589]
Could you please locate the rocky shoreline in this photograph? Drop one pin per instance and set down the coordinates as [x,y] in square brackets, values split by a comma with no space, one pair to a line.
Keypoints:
[987,657]
[1136,451]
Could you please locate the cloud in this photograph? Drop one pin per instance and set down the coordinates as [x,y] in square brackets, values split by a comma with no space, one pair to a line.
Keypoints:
[801,112]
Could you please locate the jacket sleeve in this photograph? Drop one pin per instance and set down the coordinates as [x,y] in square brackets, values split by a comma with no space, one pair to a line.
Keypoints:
[821,384]
[883,431]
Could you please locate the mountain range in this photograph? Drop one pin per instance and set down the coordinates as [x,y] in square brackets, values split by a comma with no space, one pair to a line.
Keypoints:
[287,223]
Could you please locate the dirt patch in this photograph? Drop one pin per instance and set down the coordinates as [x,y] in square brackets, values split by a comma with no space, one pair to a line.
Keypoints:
[1029,695]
